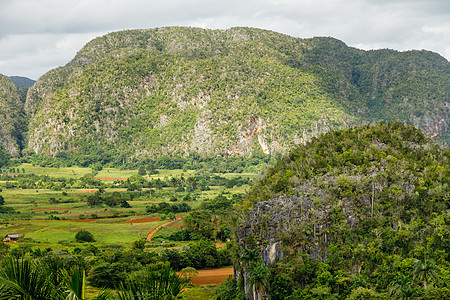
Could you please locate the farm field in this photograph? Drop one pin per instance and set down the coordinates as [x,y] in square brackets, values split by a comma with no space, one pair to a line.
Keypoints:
[124,213]
[51,218]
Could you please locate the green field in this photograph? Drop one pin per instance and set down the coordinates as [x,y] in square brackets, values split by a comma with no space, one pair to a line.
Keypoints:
[49,218]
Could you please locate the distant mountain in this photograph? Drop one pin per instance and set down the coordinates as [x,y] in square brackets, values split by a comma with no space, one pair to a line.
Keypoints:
[12,117]
[143,93]
[22,84]
[22,81]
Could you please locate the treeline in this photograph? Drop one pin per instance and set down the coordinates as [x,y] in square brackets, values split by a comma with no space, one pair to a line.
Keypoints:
[133,183]
[97,158]
[109,266]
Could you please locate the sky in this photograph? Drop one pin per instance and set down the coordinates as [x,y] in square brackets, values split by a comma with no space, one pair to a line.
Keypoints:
[39,35]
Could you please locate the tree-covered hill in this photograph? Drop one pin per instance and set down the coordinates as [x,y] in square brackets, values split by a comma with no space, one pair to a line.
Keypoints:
[22,81]
[357,211]
[147,93]
[22,84]
[12,118]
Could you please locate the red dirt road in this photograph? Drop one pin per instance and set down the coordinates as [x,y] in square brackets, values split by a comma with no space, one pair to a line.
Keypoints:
[213,276]
[149,236]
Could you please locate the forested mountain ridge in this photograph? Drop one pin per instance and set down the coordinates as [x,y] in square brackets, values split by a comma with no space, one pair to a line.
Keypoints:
[22,84]
[12,118]
[357,211]
[181,90]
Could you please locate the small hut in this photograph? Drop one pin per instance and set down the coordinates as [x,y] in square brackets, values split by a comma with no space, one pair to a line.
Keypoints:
[12,237]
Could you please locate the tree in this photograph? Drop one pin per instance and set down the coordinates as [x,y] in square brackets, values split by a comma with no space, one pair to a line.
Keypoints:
[25,279]
[258,279]
[138,244]
[403,288]
[75,285]
[157,283]
[424,270]
[199,224]
[142,171]
[174,183]
[106,275]
[36,280]
[4,157]
[249,256]
[362,293]
[2,200]
[84,236]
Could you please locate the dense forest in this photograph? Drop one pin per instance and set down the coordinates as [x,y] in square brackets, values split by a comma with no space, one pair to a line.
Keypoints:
[361,213]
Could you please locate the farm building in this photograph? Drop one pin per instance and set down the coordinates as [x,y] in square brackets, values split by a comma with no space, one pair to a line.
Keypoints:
[11,237]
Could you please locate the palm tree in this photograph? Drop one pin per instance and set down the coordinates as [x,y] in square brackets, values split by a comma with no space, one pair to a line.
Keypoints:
[156,284]
[75,285]
[424,270]
[25,279]
[249,256]
[403,288]
[258,279]
[34,280]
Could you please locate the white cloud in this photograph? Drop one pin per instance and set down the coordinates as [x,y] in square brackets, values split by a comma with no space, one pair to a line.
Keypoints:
[37,35]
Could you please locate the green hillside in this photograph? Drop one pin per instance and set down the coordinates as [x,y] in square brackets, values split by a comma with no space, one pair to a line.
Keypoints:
[354,212]
[12,118]
[176,91]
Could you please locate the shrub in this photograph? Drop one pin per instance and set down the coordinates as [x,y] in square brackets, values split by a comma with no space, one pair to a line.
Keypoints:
[84,236]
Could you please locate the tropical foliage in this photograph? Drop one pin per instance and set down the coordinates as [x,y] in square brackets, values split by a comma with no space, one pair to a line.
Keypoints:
[134,95]
[363,211]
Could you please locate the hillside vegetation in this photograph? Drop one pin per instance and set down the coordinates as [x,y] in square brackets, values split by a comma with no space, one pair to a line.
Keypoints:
[12,119]
[357,211]
[177,91]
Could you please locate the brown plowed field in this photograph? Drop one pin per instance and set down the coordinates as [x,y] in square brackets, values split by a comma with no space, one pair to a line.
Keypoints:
[213,276]
[109,178]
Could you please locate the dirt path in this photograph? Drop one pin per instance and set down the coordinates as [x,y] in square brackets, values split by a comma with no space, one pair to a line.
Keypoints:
[149,236]
[213,276]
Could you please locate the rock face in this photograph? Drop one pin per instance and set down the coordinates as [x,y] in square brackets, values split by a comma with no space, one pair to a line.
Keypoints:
[221,92]
[12,120]
[333,188]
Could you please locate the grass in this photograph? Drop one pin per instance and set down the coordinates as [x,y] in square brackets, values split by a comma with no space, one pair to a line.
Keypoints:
[198,292]
[37,223]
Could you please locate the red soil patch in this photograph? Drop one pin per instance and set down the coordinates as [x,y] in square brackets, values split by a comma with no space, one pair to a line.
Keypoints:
[149,236]
[89,191]
[50,209]
[143,220]
[219,245]
[213,276]
[110,178]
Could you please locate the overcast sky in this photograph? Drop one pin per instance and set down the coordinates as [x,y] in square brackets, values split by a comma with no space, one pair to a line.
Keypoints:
[39,35]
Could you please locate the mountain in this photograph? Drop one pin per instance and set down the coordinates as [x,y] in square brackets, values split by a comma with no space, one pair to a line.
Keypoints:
[22,84]
[12,117]
[22,81]
[352,209]
[135,94]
